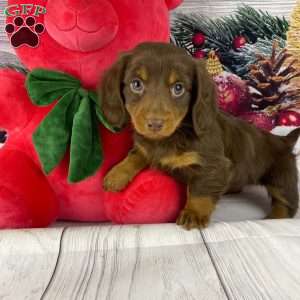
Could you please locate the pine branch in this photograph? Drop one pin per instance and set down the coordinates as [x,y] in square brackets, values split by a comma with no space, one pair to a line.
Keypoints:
[239,61]
[10,61]
[14,67]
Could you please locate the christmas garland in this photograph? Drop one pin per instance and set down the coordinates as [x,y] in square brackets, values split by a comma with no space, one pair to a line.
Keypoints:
[251,56]
[200,34]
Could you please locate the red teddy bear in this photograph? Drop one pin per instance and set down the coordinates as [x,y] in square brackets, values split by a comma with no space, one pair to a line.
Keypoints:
[82,40]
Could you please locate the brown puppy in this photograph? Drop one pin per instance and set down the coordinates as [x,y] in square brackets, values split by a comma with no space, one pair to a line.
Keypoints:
[171,101]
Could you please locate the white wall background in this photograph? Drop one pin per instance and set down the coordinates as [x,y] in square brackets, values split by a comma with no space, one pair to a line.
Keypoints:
[208,7]
[223,7]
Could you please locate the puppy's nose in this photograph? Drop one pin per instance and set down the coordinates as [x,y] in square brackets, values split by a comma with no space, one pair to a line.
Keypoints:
[155,124]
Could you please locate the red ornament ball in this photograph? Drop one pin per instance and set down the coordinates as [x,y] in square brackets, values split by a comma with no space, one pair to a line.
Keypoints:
[288,118]
[198,39]
[199,54]
[239,42]
[233,93]
[259,119]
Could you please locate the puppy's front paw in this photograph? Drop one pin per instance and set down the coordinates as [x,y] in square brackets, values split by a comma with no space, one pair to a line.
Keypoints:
[115,180]
[190,219]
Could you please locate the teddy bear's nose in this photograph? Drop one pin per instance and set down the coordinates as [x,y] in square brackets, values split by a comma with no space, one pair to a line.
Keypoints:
[81,25]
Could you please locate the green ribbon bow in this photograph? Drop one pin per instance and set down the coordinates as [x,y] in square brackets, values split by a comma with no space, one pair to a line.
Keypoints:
[72,122]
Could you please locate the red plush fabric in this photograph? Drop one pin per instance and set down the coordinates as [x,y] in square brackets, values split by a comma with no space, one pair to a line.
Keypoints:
[173,3]
[152,197]
[16,110]
[26,198]
[82,38]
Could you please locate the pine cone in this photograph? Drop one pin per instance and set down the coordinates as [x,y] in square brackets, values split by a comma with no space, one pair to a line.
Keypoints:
[270,78]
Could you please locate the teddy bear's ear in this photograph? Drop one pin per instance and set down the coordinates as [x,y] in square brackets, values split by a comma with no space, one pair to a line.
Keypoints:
[171,4]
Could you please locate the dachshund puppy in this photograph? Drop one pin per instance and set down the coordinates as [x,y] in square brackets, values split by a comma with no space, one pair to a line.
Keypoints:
[170,100]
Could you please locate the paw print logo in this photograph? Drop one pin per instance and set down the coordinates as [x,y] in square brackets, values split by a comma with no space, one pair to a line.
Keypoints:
[24,32]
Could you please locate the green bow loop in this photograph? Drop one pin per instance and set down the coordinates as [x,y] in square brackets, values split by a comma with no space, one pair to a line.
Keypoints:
[71,124]
[45,86]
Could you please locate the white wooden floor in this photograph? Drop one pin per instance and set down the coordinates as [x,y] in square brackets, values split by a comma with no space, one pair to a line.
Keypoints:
[247,260]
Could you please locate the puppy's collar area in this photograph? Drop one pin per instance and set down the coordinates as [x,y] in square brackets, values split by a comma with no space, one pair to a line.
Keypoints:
[72,123]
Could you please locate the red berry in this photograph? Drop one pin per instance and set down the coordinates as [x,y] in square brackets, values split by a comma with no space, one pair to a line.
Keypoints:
[198,39]
[259,119]
[239,42]
[199,54]
[288,118]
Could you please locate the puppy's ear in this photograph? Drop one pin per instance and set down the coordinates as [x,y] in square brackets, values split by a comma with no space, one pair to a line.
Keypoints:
[110,93]
[204,109]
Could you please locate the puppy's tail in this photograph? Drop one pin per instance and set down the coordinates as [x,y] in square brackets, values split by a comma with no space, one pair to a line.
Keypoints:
[292,137]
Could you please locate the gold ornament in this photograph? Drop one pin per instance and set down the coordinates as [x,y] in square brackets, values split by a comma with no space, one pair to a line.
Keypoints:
[293,34]
[213,64]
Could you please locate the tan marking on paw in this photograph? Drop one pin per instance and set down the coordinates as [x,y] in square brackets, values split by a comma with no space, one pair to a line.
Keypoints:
[196,213]
[116,180]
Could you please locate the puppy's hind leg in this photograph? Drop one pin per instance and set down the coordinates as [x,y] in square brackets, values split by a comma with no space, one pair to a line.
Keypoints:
[281,183]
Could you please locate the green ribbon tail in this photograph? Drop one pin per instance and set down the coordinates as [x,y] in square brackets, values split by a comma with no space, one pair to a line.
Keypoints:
[51,138]
[100,114]
[86,153]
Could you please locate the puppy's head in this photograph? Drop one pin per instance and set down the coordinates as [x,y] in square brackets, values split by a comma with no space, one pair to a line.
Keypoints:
[160,88]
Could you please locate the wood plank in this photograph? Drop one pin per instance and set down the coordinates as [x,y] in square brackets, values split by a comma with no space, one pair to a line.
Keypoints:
[27,262]
[3,4]
[134,262]
[4,42]
[257,260]
[225,7]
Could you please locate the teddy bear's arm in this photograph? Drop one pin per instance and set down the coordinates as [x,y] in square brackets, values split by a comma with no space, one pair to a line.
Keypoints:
[16,110]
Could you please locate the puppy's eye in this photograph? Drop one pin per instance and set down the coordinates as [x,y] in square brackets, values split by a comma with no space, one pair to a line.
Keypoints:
[137,86]
[177,89]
